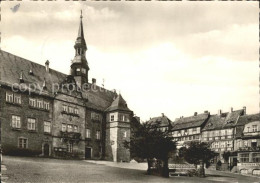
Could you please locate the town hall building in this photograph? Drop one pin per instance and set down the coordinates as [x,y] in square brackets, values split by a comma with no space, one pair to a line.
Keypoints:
[48,113]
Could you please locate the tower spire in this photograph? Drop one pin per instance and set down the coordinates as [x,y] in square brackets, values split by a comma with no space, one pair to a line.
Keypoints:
[79,65]
[81,32]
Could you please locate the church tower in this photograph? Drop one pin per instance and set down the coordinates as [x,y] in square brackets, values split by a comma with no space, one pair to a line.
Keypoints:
[79,66]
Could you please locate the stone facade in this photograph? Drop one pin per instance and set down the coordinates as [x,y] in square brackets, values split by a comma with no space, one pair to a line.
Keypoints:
[49,113]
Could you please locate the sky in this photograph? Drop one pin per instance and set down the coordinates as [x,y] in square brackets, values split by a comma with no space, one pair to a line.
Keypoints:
[175,58]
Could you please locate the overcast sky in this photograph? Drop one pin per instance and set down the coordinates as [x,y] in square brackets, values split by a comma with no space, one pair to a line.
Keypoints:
[175,58]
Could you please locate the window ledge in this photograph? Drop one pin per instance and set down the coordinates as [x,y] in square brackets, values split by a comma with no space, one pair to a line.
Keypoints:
[40,109]
[16,129]
[12,103]
[71,114]
[96,120]
[32,131]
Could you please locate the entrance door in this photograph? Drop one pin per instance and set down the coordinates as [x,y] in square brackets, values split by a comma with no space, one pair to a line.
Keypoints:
[88,153]
[46,150]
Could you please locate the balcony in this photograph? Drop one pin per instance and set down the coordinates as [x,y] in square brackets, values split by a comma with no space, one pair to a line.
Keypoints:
[70,136]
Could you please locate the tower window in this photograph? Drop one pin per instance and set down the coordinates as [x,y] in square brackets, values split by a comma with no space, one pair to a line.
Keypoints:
[112,118]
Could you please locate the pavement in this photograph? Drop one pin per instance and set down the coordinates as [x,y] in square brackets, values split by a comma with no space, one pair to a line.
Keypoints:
[25,169]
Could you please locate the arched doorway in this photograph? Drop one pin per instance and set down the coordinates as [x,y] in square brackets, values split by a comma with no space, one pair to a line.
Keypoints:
[46,150]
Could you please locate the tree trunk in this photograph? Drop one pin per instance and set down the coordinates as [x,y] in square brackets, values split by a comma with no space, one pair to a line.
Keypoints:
[150,162]
[165,171]
[201,169]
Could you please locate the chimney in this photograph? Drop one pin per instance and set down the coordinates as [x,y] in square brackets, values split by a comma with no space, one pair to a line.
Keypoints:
[47,63]
[244,108]
[219,112]
[231,109]
[195,113]
[162,114]
[21,77]
[94,81]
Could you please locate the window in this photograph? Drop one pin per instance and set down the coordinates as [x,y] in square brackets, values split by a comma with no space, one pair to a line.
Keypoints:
[22,142]
[95,116]
[17,99]
[78,69]
[223,132]
[92,115]
[39,103]
[88,133]
[216,145]
[248,129]
[9,97]
[222,144]
[32,102]
[194,130]
[83,70]
[245,143]
[71,110]
[229,132]
[112,118]
[121,117]
[70,147]
[217,133]
[16,121]
[76,111]
[65,108]
[75,128]
[98,135]
[244,158]
[254,128]
[125,134]
[47,127]
[256,157]
[46,105]
[229,143]
[69,128]
[63,127]
[31,124]
[98,117]
[198,129]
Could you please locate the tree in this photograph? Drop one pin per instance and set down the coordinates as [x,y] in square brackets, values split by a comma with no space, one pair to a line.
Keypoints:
[198,153]
[148,142]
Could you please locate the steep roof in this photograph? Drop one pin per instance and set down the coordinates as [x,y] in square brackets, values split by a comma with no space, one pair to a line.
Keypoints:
[222,121]
[247,119]
[190,122]
[243,120]
[11,67]
[118,104]
[162,120]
